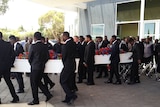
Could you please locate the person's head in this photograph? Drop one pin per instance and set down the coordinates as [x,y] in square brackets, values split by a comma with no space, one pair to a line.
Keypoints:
[131,41]
[137,38]
[46,40]
[156,41]
[17,39]
[81,38]
[65,36]
[30,40]
[26,39]
[76,39]
[100,39]
[43,39]
[88,38]
[113,38]
[37,36]
[12,39]
[147,40]
[1,35]
[105,37]
[126,39]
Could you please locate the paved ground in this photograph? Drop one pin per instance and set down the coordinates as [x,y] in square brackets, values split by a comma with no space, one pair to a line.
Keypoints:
[145,94]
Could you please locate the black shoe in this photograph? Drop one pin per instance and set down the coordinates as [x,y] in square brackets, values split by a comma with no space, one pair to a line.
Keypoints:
[99,76]
[49,97]
[33,103]
[117,83]
[65,101]
[137,81]
[52,85]
[0,101]
[131,83]
[15,100]
[75,90]
[90,83]
[79,82]
[105,76]
[109,81]
[71,101]
[20,91]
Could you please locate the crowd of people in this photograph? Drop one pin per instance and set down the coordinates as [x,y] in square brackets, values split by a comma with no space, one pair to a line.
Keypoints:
[80,47]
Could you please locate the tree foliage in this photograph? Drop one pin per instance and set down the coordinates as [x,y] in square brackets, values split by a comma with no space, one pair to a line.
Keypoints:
[3,6]
[52,24]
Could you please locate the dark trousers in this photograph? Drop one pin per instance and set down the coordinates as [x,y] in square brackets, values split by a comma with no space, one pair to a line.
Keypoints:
[73,86]
[148,60]
[90,70]
[47,80]
[134,72]
[158,67]
[20,80]
[66,79]
[102,68]
[114,71]
[81,71]
[6,77]
[35,80]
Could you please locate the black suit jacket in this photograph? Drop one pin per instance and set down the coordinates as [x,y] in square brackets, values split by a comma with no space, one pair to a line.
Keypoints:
[115,52]
[38,56]
[137,55]
[68,56]
[81,51]
[6,56]
[103,45]
[89,53]
[19,49]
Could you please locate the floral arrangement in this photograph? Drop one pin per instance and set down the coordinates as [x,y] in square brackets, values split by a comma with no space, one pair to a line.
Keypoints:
[103,51]
[52,55]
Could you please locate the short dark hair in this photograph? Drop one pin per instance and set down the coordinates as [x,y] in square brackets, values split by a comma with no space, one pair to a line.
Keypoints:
[38,35]
[89,36]
[43,38]
[12,37]
[114,36]
[1,35]
[66,34]
[81,37]
[131,40]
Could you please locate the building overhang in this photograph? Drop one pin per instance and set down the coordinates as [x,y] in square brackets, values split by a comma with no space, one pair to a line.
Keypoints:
[68,5]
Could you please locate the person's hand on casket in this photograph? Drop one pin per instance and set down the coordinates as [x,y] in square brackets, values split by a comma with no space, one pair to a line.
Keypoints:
[85,64]
[130,58]
[139,61]
[0,78]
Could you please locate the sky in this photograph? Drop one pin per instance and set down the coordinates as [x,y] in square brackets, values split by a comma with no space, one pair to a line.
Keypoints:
[23,12]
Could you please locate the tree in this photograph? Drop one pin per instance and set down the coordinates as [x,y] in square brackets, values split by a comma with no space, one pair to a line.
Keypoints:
[21,29]
[52,24]
[3,6]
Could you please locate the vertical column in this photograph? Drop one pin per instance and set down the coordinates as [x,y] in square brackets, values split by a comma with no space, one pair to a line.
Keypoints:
[142,19]
[157,32]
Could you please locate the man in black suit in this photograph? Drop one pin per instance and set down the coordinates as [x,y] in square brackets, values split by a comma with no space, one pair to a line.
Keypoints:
[115,59]
[6,56]
[81,67]
[67,74]
[38,56]
[18,49]
[101,68]
[89,59]
[134,78]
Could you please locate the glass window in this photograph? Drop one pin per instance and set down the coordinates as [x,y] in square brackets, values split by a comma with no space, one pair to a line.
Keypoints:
[152,9]
[97,30]
[128,11]
[149,29]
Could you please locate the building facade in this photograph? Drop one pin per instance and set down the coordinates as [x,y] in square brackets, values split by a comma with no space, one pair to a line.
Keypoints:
[120,17]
